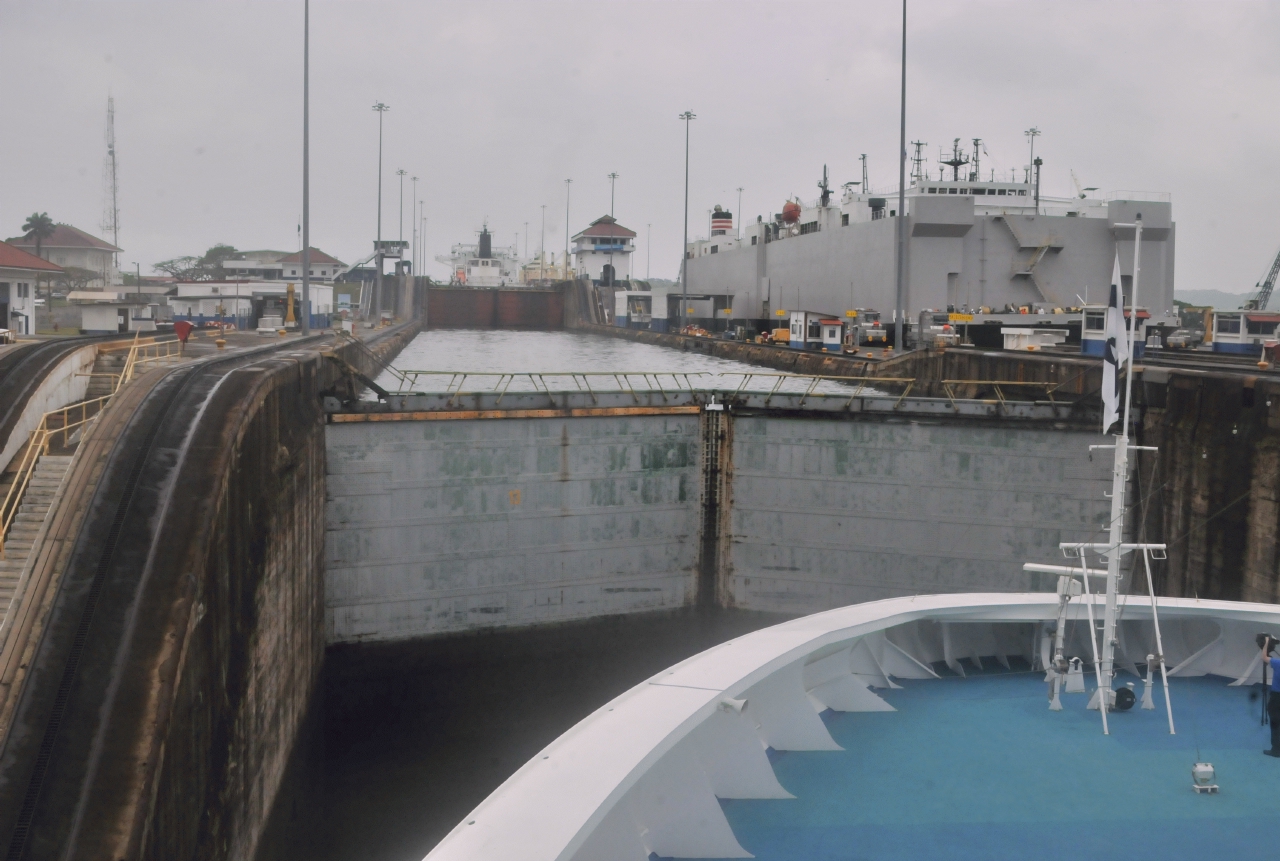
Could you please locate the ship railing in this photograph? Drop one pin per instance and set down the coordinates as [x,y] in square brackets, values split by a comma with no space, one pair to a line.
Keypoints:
[997,387]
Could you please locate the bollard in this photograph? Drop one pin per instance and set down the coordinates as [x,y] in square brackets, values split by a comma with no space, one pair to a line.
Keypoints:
[220,343]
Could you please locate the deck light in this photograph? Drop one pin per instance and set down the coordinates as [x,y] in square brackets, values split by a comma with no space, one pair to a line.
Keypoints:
[1202,778]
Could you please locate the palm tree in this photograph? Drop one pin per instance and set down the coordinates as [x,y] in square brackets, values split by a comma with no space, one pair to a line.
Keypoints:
[39,227]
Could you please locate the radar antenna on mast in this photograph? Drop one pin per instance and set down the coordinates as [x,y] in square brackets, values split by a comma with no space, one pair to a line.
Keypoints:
[825,188]
[957,160]
[917,161]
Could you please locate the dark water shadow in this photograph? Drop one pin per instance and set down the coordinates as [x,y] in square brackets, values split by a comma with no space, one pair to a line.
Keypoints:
[403,739]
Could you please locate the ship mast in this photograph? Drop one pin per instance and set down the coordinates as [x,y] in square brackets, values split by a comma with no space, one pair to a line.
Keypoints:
[1119,481]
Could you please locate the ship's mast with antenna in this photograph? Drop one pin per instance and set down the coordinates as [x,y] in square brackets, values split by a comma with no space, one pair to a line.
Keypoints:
[111,205]
[863,158]
[917,161]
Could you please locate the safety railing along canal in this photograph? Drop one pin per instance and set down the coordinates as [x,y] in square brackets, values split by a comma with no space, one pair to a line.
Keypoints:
[75,417]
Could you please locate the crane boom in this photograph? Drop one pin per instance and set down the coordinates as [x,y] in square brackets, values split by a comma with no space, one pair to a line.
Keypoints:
[1263,296]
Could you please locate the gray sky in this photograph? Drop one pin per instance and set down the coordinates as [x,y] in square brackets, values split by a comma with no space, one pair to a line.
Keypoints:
[494,104]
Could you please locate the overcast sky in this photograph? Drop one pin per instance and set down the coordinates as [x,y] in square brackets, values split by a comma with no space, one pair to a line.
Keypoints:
[494,105]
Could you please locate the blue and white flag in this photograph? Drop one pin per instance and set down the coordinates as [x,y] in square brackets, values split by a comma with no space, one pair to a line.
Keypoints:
[1116,354]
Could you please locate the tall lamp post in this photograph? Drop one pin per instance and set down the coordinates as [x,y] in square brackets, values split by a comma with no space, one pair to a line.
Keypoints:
[376,301]
[414,257]
[567,185]
[306,169]
[613,178]
[684,249]
[900,275]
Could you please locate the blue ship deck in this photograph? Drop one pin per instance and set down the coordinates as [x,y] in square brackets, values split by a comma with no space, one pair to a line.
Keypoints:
[979,768]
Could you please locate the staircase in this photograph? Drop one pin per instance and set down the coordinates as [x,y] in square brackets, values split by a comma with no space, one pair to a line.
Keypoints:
[32,510]
[100,384]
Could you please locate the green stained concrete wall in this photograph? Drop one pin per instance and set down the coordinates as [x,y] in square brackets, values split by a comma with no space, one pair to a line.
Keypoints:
[439,526]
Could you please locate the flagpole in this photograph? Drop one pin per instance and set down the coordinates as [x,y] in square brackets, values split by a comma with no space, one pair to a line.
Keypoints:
[1119,479]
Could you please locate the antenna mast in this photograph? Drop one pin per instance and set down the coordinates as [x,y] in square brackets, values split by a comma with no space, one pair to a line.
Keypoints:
[975,175]
[917,160]
[111,207]
[957,160]
[863,158]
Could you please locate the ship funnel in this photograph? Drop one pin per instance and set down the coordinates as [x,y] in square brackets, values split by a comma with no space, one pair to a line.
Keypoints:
[721,222]
[486,242]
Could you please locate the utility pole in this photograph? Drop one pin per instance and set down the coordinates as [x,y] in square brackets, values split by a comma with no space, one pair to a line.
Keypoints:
[305,328]
[687,116]
[567,187]
[899,311]
[401,173]
[1031,134]
[414,258]
[739,213]
[613,177]
[377,283]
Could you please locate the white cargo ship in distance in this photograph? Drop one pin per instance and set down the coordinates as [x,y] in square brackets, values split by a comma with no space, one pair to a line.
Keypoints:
[481,264]
[985,247]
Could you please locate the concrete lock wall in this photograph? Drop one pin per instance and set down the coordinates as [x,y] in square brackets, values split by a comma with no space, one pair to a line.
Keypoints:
[827,513]
[447,525]
[437,526]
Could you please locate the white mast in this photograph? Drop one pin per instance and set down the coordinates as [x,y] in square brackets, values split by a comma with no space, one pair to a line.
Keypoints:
[1119,481]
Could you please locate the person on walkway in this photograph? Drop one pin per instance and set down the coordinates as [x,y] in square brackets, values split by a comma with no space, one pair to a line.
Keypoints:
[1273,701]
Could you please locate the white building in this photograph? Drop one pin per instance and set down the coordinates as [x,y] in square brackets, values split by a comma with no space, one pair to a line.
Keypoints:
[603,251]
[18,273]
[107,312]
[72,248]
[245,301]
[280,265]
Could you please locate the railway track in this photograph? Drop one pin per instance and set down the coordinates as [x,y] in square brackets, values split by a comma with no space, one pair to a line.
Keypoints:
[78,685]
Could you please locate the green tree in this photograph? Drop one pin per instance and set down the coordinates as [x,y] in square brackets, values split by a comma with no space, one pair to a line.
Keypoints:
[205,268]
[39,227]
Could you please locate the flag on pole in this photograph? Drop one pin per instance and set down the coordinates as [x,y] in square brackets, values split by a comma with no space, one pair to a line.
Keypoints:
[1116,354]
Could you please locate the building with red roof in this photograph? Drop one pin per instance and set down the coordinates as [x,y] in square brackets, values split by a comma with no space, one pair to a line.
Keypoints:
[71,247]
[603,251]
[19,274]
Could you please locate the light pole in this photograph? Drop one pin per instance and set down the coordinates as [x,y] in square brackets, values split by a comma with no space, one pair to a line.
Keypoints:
[306,170]
[739,212]
[613,178]
[413,268]
[1031,134]
[687,116]
[648,248]
[567,184]
[899,311]
[542,246]
[526,240]
[377,278]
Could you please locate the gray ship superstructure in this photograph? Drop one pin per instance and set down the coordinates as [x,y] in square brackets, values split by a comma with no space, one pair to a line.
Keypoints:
[977,247]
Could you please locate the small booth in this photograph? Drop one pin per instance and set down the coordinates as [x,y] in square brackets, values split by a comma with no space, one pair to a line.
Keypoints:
[633,309]
[1093,330]
[807,330]
[1243,332]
